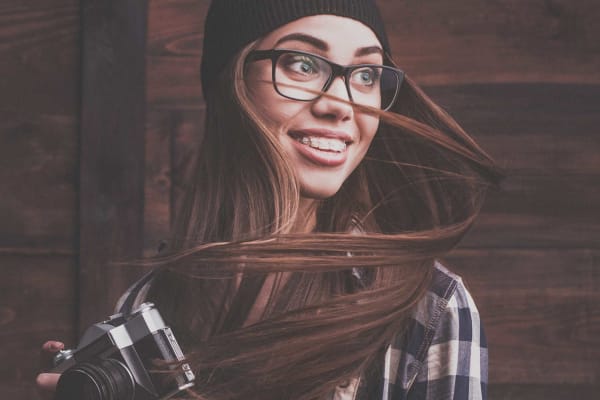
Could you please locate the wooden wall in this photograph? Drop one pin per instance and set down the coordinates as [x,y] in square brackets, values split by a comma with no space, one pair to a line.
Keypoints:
[39,119]
[522,76]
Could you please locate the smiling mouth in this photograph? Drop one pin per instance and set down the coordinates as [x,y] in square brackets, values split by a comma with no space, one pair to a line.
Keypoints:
[329,144]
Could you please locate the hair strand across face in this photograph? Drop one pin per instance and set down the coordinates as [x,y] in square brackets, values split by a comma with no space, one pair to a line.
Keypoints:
[408,203]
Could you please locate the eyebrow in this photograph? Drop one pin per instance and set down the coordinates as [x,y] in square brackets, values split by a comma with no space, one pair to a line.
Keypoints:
[323,46]
[365,51]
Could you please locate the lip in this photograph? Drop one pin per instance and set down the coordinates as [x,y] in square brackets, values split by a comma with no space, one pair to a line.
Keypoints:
[325,133]
[321,157]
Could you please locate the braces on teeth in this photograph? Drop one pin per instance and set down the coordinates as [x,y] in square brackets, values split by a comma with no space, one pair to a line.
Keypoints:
[324,143]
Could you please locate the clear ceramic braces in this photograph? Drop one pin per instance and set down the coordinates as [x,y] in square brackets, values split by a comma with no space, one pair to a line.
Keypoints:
[324,143]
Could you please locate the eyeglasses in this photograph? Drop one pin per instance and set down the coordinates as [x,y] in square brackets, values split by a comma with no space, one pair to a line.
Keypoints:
[303,76]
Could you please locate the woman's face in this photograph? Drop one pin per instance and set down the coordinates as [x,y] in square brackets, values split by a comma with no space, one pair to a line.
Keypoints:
[325,139]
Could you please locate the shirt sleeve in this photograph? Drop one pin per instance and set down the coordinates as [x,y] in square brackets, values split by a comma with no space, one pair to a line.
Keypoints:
[455,367]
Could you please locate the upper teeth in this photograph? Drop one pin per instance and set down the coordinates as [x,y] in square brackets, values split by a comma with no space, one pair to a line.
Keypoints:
[324,143]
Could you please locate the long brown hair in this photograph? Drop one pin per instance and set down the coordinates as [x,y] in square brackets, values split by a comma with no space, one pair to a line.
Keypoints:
[349,287]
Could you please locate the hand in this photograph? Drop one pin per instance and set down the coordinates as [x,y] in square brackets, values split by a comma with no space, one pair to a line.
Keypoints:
[46,382]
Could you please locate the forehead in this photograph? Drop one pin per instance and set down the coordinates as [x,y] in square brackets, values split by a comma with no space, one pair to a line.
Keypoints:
[342,35]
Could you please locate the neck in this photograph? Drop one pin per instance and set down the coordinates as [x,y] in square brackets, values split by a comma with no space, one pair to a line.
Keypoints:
[305,223]
[307,216]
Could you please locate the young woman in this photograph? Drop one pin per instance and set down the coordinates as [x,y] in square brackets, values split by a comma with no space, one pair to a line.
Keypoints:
[303,264]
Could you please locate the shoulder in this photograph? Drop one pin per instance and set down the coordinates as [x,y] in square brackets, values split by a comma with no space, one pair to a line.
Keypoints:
[459,320]
[443,354]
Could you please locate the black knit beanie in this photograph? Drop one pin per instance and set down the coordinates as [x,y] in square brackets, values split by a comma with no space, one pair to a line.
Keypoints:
[232,24]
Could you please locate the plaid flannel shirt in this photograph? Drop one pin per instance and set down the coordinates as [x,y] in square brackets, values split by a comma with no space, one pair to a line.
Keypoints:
[443,356]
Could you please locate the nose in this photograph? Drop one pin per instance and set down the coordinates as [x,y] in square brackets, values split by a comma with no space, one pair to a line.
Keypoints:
[329,106]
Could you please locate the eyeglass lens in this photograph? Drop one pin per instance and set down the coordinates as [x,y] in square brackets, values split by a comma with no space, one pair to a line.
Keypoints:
[303,77]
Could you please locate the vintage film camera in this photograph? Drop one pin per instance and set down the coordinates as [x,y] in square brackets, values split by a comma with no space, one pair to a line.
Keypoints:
[115,360]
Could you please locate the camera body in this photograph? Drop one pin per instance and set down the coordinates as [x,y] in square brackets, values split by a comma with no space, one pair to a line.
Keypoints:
[116,359]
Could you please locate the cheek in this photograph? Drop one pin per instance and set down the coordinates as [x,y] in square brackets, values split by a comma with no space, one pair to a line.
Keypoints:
[260,91]
[256,75]
[260,87]
[368,125]
[275,110]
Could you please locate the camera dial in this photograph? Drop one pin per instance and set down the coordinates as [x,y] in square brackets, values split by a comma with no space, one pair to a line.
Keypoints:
[63,355]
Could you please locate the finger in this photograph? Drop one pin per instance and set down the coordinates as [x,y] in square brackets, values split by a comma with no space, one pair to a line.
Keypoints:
[47,382]
[49,350]
[53,346]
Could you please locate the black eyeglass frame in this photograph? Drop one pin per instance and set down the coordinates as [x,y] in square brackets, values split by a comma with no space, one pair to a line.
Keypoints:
[344,71]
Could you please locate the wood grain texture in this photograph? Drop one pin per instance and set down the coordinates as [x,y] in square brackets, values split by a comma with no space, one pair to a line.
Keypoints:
[536,128]
[186,141]
[542,392]
[112,151]
[466,41]
[176,27]
[540,212]
[171,137]
[542,134]
[37,303]
[540,311]
[19,390]
[160,128]
[39,117]
[38,162]
[174,83]
[39,56]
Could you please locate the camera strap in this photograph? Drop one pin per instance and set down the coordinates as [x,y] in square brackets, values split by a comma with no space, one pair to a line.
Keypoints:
[135,294]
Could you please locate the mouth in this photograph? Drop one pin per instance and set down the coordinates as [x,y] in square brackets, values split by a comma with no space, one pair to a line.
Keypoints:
[322,147]
[327,141]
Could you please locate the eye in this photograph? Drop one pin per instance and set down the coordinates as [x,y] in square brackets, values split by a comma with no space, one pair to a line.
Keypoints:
[300,64]
[367,76]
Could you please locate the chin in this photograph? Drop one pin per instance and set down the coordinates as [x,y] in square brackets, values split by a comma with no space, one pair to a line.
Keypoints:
[319,192]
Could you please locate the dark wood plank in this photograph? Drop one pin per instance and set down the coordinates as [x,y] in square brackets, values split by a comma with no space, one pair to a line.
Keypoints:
[540,311]
[171,135]
[185,142]
[39,56]
[23,389]
[176,27]
[160,129]
[37,303]
[174,83]
[164,128]
[542,134]
[112,151]
[439,42]
[555,391]
[540,212]
[530,128]
[174,48]
[39,116]
[38,163]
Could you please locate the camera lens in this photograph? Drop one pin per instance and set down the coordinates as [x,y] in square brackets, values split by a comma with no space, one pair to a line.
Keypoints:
[102,380]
